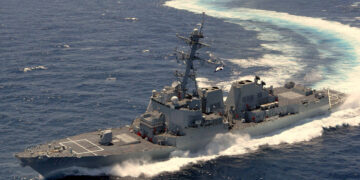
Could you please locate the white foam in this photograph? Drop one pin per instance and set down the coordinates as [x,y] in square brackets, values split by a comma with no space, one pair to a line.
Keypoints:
[313,76]
[282,68]
[27,69]
[355,4]
[110,79]
[131,19]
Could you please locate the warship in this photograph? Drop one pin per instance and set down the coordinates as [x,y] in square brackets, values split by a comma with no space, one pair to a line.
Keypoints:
[178,118]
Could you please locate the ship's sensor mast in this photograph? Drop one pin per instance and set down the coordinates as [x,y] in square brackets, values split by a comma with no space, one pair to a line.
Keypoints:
[190,72]
[194,42]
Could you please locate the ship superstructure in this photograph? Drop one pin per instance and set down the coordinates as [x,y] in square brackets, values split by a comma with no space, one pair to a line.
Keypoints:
[177,118]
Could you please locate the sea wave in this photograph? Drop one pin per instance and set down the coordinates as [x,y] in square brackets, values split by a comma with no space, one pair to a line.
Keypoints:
[27,69]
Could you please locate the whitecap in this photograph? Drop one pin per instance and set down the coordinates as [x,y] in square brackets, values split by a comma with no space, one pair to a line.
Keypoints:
[131,18]
[110,79]
[27,69]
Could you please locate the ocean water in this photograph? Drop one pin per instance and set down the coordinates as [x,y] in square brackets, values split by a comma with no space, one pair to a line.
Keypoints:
[69,67]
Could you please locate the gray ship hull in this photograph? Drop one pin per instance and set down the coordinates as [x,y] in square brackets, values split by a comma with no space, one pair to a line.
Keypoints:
[54,166]
[272,126]
[196,139]
[82,151]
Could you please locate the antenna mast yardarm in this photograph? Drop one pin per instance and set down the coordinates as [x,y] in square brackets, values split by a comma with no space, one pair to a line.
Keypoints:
[195,44]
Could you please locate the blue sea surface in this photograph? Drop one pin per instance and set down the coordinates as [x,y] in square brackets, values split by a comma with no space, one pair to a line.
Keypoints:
[69,67]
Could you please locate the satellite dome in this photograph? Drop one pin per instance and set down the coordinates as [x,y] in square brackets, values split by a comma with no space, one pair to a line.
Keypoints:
[174,100]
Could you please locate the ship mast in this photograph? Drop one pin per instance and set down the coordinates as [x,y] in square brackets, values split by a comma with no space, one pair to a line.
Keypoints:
[195,44]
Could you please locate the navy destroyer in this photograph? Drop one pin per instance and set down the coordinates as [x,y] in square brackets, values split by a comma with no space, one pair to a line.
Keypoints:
[179,119]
